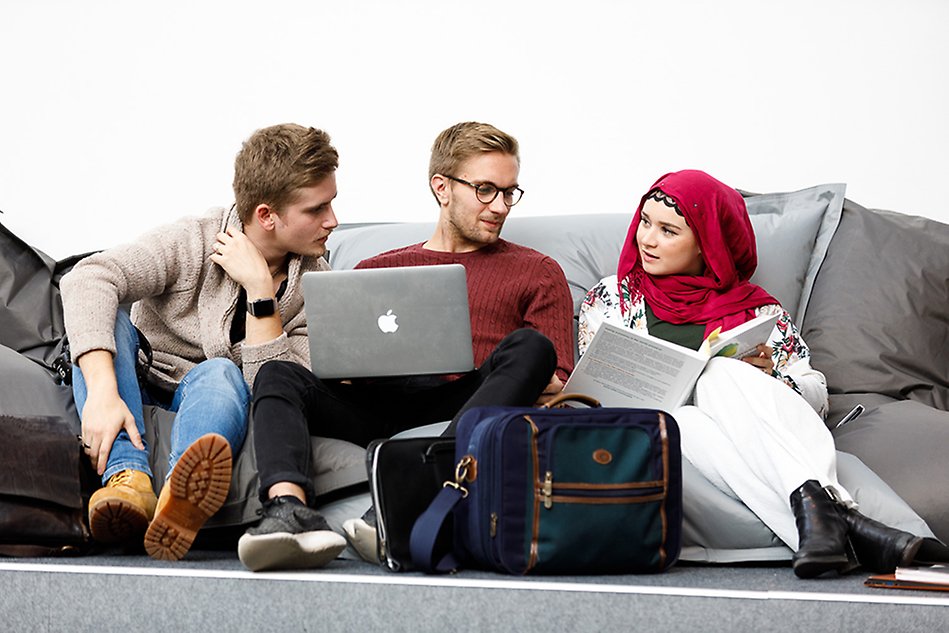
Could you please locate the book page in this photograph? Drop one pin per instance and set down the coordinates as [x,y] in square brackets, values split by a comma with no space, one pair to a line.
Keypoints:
[924,573]
[623,368]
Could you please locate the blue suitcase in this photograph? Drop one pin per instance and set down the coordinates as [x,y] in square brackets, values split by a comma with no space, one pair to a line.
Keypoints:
[560,491]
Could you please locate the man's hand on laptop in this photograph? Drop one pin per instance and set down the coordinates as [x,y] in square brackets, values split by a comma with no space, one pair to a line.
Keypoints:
[554,387]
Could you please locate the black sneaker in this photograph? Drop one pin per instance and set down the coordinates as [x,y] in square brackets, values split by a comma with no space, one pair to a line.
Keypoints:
[290,536]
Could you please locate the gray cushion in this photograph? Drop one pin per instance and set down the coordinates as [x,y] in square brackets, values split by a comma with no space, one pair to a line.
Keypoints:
[338,465]
[718,528]
[905,444]
[586,247]
[877,318]
[793,231]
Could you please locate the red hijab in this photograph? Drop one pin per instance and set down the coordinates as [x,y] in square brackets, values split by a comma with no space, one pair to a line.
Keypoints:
[721,296]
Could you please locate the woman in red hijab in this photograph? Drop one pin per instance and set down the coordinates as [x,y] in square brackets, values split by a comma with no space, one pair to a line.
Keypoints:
[755,428]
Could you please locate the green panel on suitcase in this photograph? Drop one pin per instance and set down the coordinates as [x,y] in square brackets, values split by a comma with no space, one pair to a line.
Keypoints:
[598,499]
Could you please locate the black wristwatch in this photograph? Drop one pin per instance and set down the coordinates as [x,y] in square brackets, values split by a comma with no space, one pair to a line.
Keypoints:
[261,307]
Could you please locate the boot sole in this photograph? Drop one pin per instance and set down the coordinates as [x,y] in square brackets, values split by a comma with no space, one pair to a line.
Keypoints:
[199,484]
[115,521]
[814,566]
[283,550]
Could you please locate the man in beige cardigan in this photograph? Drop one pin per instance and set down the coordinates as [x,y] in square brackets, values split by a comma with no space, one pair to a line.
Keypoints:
[216,297]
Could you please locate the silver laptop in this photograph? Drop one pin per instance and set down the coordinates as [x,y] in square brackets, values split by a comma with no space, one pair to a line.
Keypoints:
[379,322]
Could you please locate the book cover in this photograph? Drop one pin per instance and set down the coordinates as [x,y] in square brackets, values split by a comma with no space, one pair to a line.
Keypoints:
[890,581]
[741,341]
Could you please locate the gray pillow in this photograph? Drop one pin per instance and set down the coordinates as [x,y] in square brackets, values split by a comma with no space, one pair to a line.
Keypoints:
[905,444]
[717,528]
[350,244]
[877,318]
[338,465]
[793,231]
[586,246]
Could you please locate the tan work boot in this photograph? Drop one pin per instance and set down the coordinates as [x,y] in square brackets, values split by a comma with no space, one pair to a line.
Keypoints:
[120,511]
[196,489]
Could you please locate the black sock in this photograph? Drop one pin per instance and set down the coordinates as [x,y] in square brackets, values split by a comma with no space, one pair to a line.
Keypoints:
[290,499]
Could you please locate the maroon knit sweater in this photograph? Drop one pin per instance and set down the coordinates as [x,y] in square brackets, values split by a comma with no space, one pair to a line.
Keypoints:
[509,287]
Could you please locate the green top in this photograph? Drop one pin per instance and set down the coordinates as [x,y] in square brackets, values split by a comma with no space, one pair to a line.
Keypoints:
[688,335]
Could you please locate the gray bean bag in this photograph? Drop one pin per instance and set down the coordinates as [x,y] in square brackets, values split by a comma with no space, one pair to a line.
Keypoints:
[878,327]
[804,260]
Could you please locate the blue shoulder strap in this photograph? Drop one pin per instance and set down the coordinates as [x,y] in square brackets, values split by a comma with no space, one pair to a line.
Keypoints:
[426,529]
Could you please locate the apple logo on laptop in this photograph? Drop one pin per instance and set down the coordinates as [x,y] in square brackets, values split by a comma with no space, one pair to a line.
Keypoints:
[387,322]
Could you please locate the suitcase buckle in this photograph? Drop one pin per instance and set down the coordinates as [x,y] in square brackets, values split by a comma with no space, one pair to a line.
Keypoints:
[462,474]
[456,486]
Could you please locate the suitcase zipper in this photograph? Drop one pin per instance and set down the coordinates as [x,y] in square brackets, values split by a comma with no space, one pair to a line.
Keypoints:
[548,490]
[570,492]
[486,480]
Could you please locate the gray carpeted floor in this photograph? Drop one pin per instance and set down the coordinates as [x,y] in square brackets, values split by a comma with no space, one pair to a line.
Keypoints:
[212,590]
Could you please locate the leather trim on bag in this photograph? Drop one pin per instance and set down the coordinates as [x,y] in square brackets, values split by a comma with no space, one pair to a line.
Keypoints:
[538,487]
[664,438]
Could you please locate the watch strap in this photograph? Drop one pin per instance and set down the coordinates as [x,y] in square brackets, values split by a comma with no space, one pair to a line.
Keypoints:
[261,307]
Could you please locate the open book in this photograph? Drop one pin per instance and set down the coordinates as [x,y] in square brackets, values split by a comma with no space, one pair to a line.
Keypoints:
[926,578]
[623,368]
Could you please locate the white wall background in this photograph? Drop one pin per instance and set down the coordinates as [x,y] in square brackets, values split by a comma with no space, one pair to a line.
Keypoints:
[117,116]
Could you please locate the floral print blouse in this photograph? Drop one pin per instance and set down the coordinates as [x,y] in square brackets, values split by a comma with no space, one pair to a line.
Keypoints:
[791,356]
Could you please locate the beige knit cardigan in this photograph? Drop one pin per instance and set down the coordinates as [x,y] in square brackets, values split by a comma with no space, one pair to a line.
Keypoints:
[183,303]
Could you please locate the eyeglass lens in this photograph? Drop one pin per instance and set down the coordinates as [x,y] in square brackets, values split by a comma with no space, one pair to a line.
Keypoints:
[487,193]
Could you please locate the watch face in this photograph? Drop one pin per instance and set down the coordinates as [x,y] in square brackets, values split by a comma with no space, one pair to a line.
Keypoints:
[261,307]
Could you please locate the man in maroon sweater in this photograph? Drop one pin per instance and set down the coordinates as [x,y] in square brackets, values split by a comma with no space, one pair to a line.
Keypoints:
[473,176]
[516,297]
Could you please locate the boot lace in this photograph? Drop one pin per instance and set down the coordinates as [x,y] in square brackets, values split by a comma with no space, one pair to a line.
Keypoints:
[123,478]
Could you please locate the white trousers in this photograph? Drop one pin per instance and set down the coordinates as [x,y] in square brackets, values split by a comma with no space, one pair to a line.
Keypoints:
[757,440]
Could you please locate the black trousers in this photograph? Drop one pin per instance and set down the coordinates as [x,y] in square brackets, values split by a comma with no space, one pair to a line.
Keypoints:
[290,404]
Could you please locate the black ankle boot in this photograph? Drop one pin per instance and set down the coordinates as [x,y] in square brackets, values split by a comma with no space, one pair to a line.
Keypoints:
[822,532]
[931,552]
[881,549]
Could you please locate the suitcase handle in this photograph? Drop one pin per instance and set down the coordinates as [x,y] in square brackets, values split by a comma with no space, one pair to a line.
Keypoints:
[576,397]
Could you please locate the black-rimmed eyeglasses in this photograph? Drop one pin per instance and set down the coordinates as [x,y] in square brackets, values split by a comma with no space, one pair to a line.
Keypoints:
[486,192]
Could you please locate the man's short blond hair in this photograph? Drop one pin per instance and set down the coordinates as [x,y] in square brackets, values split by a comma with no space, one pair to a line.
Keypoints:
[464,140]
[276,161]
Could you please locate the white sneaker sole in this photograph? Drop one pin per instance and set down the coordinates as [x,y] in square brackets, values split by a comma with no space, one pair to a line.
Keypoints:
[283,550]
[362,537]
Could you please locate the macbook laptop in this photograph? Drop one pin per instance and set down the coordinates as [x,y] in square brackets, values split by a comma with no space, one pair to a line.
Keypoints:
[380,322]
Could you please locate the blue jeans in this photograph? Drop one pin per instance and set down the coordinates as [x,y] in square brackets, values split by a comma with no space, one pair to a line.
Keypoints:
[211,398]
